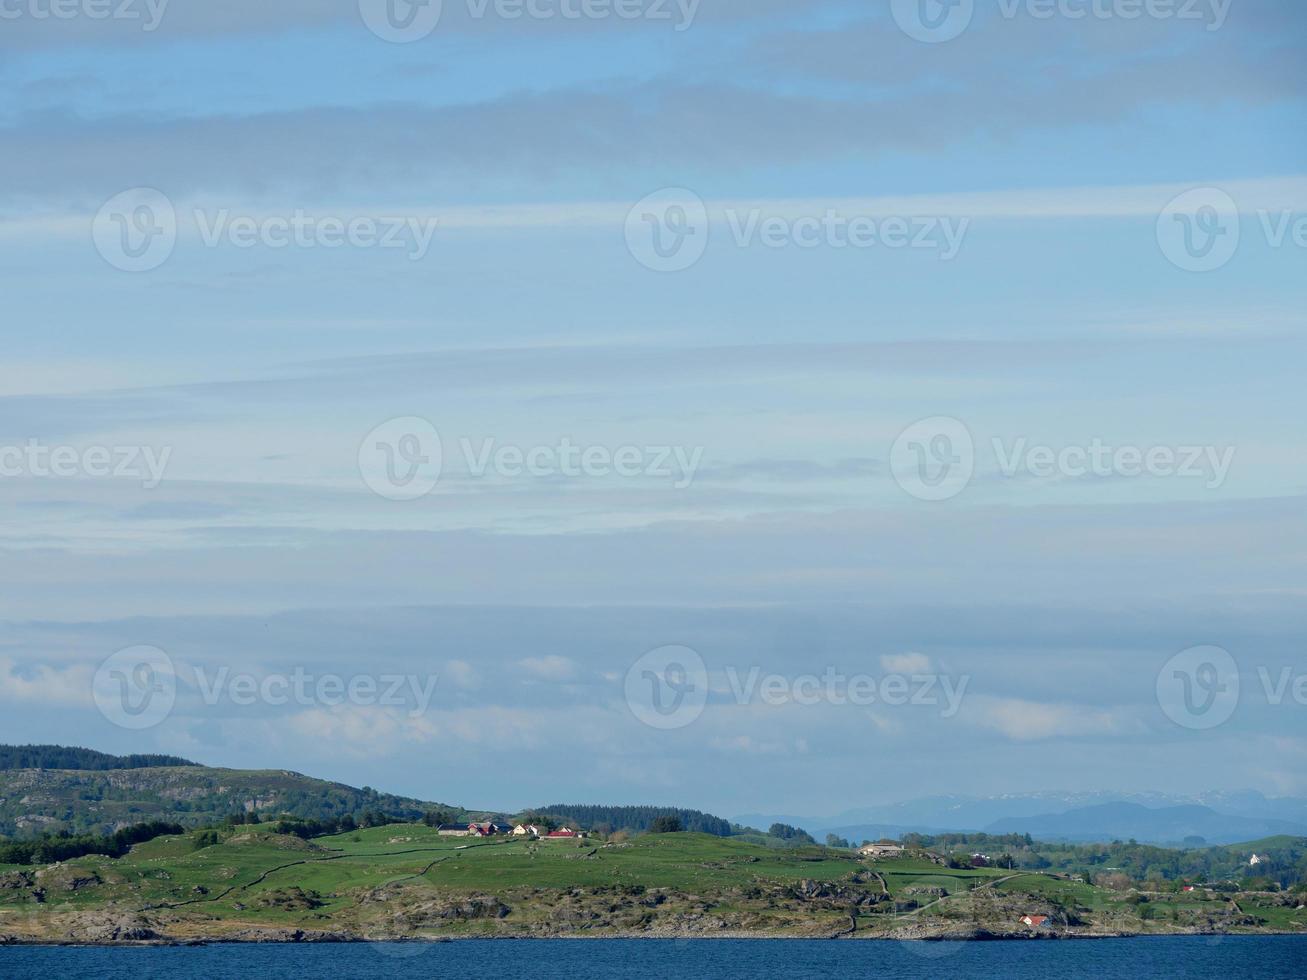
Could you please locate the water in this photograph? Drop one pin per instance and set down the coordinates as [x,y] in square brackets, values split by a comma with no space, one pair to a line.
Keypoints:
[1105,959]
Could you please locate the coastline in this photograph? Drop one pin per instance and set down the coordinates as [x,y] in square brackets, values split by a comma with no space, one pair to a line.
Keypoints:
[298,937]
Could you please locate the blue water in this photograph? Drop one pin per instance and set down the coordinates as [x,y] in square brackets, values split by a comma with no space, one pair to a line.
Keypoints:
[1104,959]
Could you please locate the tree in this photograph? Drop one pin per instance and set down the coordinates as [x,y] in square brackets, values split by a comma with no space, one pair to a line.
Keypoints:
[785,832]
[665,825]
[834,840]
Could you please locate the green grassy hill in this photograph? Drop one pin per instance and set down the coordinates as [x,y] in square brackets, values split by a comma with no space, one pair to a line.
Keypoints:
[36,801]
[405,881]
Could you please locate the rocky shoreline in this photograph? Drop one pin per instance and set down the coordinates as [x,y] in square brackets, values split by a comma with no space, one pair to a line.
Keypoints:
[134,939]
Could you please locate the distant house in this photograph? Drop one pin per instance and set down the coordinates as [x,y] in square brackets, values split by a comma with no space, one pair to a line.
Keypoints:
[454,830]
[1037,921]
[881,850]
[1254,861]
[980,860]
[527,830]
[565,834]
[485,828]
[1187,888]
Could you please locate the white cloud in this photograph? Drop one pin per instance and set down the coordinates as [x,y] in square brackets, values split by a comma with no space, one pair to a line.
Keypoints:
[462,674]
[552,668]
[1031,720]
[45,684]
[906,663]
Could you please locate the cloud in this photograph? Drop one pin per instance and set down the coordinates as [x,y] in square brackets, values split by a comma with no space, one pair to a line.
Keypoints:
[552,668]
[361,731]
[906,663]
[44,684]
[462,674]
[1025,721]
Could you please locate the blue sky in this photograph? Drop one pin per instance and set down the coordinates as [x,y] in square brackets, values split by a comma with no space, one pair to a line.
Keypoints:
[1063,151]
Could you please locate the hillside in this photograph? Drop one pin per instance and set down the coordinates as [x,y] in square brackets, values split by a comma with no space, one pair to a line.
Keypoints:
[36,801]
[405,881]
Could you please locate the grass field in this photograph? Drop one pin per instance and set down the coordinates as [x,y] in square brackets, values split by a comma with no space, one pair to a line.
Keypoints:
[406,880]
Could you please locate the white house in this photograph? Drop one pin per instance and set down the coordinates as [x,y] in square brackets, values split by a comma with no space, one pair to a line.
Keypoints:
[881,850]
[526,830]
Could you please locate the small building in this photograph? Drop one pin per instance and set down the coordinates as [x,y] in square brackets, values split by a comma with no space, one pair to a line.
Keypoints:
[1037,921]
[565,834]
[1254,861]
[980,860]
[527,830]
[881,850]
[454,830]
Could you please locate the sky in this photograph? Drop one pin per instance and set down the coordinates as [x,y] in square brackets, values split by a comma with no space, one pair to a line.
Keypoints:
[743,404]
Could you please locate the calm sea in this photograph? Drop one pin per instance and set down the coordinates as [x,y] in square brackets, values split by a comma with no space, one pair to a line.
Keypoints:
[1227,958]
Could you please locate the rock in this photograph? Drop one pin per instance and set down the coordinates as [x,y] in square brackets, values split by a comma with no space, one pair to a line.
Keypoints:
[105,927]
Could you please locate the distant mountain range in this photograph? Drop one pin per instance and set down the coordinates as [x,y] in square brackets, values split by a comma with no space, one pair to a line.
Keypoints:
[1218,818]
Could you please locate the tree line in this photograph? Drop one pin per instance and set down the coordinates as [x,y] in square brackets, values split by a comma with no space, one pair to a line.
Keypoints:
[65,757]
[636,819]
[65,847]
